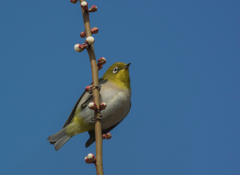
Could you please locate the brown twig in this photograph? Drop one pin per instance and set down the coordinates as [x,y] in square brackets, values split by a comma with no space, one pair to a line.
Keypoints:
[97,115]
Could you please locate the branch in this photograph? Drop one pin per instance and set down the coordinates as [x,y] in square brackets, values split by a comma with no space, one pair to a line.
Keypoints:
[97,115]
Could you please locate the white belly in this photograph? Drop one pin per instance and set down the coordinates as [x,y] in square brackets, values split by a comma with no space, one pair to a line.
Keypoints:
[118,104]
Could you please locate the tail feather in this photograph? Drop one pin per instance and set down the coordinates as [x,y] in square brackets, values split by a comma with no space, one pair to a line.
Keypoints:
[61,142]
[58,139]
[90,141]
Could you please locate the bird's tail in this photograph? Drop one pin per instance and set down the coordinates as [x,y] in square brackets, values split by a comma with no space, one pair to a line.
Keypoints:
[59,139]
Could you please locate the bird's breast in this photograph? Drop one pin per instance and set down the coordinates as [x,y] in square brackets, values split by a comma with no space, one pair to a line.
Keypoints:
[118,105]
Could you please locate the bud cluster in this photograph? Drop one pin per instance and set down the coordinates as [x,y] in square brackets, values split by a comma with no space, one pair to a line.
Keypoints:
[90,158]
[101,62]
[93,106]
[80,47]
[84,6]
[107,136]
[94,30]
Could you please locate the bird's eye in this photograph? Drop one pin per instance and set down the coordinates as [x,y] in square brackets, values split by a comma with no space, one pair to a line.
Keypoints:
[115,70]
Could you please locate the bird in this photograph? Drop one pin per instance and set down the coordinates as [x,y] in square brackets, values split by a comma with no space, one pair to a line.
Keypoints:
[115,91]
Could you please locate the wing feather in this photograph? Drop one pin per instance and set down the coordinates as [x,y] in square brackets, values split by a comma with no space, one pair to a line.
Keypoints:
[88,96]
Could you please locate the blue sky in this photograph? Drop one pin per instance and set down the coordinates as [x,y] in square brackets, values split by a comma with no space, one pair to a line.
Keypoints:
[185,75]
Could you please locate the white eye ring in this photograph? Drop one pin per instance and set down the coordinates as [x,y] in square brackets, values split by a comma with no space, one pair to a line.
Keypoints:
[115,70]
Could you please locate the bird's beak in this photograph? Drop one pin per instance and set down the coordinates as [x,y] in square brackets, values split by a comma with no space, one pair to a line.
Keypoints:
[126,67]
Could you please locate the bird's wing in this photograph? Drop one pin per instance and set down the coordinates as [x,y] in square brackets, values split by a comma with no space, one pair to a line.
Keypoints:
[91,140]
[88,96]
[73,110]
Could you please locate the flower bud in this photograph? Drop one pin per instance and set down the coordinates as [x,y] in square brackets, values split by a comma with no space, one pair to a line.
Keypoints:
[78,47]
[89,89]
[90,158]
[94,30]
[84,45]
[102,61]
[107,136]
[102,106]
[93,8]
[89,40]
[92,106]
[74,1]
[84,5]
[83,34]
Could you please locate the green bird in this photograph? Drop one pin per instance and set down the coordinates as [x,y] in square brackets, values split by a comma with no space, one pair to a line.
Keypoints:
[115,91]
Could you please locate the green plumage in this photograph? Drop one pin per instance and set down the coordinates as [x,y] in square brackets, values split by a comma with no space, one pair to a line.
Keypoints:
[115,91]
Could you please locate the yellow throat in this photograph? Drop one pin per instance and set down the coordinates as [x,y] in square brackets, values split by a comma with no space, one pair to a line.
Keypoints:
[118,73]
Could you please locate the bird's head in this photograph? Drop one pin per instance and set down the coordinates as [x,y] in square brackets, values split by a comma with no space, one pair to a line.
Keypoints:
[119,74]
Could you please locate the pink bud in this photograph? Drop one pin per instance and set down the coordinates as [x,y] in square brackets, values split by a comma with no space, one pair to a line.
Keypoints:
[89,89]
[102,106]
[90,158]
[107,136]
[102,61]
[94,30]
[93,8]
[84,45]
[92,106]
[84,5]
[83,34]
[74,1]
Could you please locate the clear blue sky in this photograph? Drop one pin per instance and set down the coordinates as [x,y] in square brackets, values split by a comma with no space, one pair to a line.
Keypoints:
[185,76]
